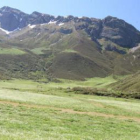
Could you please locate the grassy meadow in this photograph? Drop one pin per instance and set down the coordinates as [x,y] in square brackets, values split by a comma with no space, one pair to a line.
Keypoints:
[49,111]
[11,51]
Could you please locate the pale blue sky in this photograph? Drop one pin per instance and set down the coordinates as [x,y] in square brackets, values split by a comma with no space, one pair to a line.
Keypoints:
[129,10]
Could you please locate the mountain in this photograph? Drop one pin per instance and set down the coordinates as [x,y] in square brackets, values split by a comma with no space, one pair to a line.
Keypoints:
[41,46]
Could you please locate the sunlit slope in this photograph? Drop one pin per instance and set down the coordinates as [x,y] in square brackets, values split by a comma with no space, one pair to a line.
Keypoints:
[129,84]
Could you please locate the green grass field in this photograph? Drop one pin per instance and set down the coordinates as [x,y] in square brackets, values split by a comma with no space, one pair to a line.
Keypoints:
[11,51]
[47,111]
[32,85]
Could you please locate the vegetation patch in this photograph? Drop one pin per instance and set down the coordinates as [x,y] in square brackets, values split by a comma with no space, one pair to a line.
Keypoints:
[70,51]
[38,50]
[104,92]
[11,51]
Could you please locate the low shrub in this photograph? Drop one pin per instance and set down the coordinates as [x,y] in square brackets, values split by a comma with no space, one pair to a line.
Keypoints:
[104,92]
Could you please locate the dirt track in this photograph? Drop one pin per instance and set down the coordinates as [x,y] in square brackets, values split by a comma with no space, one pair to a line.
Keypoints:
[71,111]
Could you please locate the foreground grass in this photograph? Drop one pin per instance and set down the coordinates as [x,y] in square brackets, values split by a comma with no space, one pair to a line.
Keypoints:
[36,123]
[31,110]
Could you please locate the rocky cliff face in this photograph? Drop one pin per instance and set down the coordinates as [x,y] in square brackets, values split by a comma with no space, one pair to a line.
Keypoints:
[120,32]
[12,19]
[110,28]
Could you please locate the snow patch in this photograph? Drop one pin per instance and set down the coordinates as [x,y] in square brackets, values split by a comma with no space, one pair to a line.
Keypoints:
[43,24]
[38,34]
[1,14]
[20,19]
[52,22]
[65,16]
[7,32]
[31,26]
[61,24]
[18,29]
[4,10]
[80,17]
[16,16]
[134,49]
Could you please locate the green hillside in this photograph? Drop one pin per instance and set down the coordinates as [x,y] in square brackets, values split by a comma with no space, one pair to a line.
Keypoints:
[129,84]
[65,52]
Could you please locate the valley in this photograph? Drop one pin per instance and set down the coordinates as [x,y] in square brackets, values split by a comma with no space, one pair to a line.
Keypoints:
[68,78]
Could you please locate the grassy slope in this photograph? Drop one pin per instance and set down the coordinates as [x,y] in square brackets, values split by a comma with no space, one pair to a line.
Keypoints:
[26,66]
[17,62]
[31,110]
[128,84]
[47,52]
[75,66]
[79,57]
[49,42]
[57,49]
[11,51]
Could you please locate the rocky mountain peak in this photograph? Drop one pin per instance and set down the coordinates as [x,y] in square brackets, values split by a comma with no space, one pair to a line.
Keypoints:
[7,9]
[120,32]
[11,19]
[110,28]
[114,22]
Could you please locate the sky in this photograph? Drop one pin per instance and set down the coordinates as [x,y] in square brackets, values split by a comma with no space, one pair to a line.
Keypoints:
[128,10]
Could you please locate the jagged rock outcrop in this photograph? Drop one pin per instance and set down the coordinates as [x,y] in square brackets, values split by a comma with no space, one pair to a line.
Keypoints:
[110,28]
[120,32]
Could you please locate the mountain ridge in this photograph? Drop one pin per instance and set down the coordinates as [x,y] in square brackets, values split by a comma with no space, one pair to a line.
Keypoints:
[66,47]
[110,28]
[69,17]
